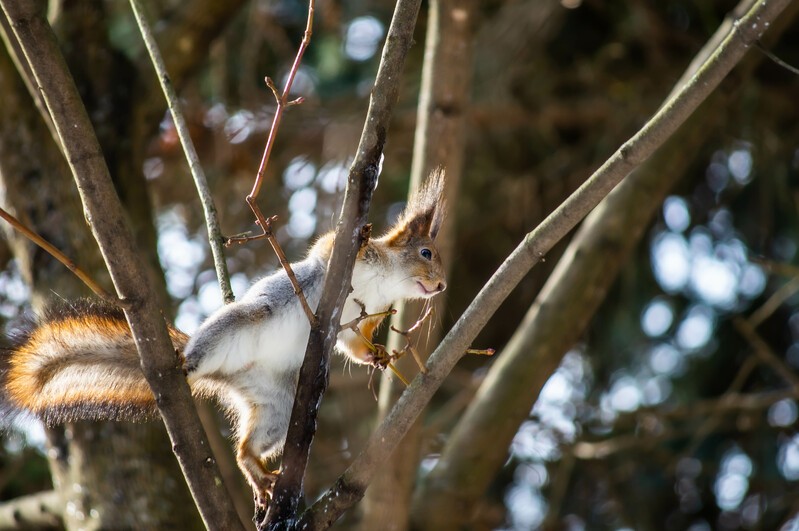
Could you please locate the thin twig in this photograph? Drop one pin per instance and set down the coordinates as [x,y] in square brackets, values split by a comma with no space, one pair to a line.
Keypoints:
[785,292]
[408,344]
[282,103]
[266,223]
[364,315]
[215,238]
[61,257]
[398,374]
[790,68]
[763,351]
[481,352]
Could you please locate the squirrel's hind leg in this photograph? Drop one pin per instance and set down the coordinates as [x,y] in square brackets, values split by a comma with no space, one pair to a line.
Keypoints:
[261,479]
[261,434]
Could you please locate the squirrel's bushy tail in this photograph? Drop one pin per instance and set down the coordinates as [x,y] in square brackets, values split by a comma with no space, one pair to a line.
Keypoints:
[79,361]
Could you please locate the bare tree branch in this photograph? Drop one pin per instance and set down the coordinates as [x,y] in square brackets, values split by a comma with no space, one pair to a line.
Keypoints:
[105,216]
[349,487]
[215,238]
[283,103]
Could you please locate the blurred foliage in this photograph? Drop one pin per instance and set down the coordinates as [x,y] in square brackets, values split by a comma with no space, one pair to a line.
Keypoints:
[556,91]
[24,470]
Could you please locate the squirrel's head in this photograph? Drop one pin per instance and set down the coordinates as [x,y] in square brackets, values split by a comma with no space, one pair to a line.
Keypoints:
[411,241]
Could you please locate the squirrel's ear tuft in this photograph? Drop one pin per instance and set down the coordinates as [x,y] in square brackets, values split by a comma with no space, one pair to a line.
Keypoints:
[425,210]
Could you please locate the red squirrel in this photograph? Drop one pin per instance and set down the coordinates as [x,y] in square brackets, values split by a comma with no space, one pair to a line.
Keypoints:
[80,362]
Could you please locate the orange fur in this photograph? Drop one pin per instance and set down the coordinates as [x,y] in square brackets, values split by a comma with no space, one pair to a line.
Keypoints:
[423,214]
[356,345]
[81,366]
[261,479]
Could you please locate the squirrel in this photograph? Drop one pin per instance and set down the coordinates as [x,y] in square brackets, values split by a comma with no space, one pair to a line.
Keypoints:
[80,361]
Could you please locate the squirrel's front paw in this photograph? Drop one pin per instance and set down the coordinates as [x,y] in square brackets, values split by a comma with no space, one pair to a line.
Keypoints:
[378,358]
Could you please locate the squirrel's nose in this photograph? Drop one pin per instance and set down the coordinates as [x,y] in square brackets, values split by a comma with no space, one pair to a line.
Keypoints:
[442,286]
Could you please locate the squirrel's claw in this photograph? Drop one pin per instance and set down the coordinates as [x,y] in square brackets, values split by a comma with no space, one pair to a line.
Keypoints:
[266,489]
[378,357]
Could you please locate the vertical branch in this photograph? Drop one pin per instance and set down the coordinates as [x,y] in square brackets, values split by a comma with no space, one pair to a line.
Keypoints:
[104,214]
[215,238]
[282,103]
[351,231]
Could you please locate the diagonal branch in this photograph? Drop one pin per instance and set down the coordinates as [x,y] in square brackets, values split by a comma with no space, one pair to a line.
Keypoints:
[104,214]
[58,255]
[350,486]
[215,238]
[572,293]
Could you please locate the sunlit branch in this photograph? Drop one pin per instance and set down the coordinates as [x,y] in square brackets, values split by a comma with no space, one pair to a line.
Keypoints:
[215,238]
[266,223]
[61,257]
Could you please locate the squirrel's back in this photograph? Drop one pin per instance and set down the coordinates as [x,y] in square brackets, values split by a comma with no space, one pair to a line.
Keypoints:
[78,361]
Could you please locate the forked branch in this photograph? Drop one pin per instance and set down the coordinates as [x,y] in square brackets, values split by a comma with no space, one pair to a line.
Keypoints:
[263,222]
[408,343]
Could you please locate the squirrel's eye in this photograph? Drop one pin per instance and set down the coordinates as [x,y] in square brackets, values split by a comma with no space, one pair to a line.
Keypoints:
[426,253]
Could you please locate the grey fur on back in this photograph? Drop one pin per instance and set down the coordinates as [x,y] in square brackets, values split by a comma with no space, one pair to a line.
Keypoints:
[267,297]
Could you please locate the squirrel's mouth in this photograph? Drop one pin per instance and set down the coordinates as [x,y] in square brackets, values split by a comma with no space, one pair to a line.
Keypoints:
[430,292]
